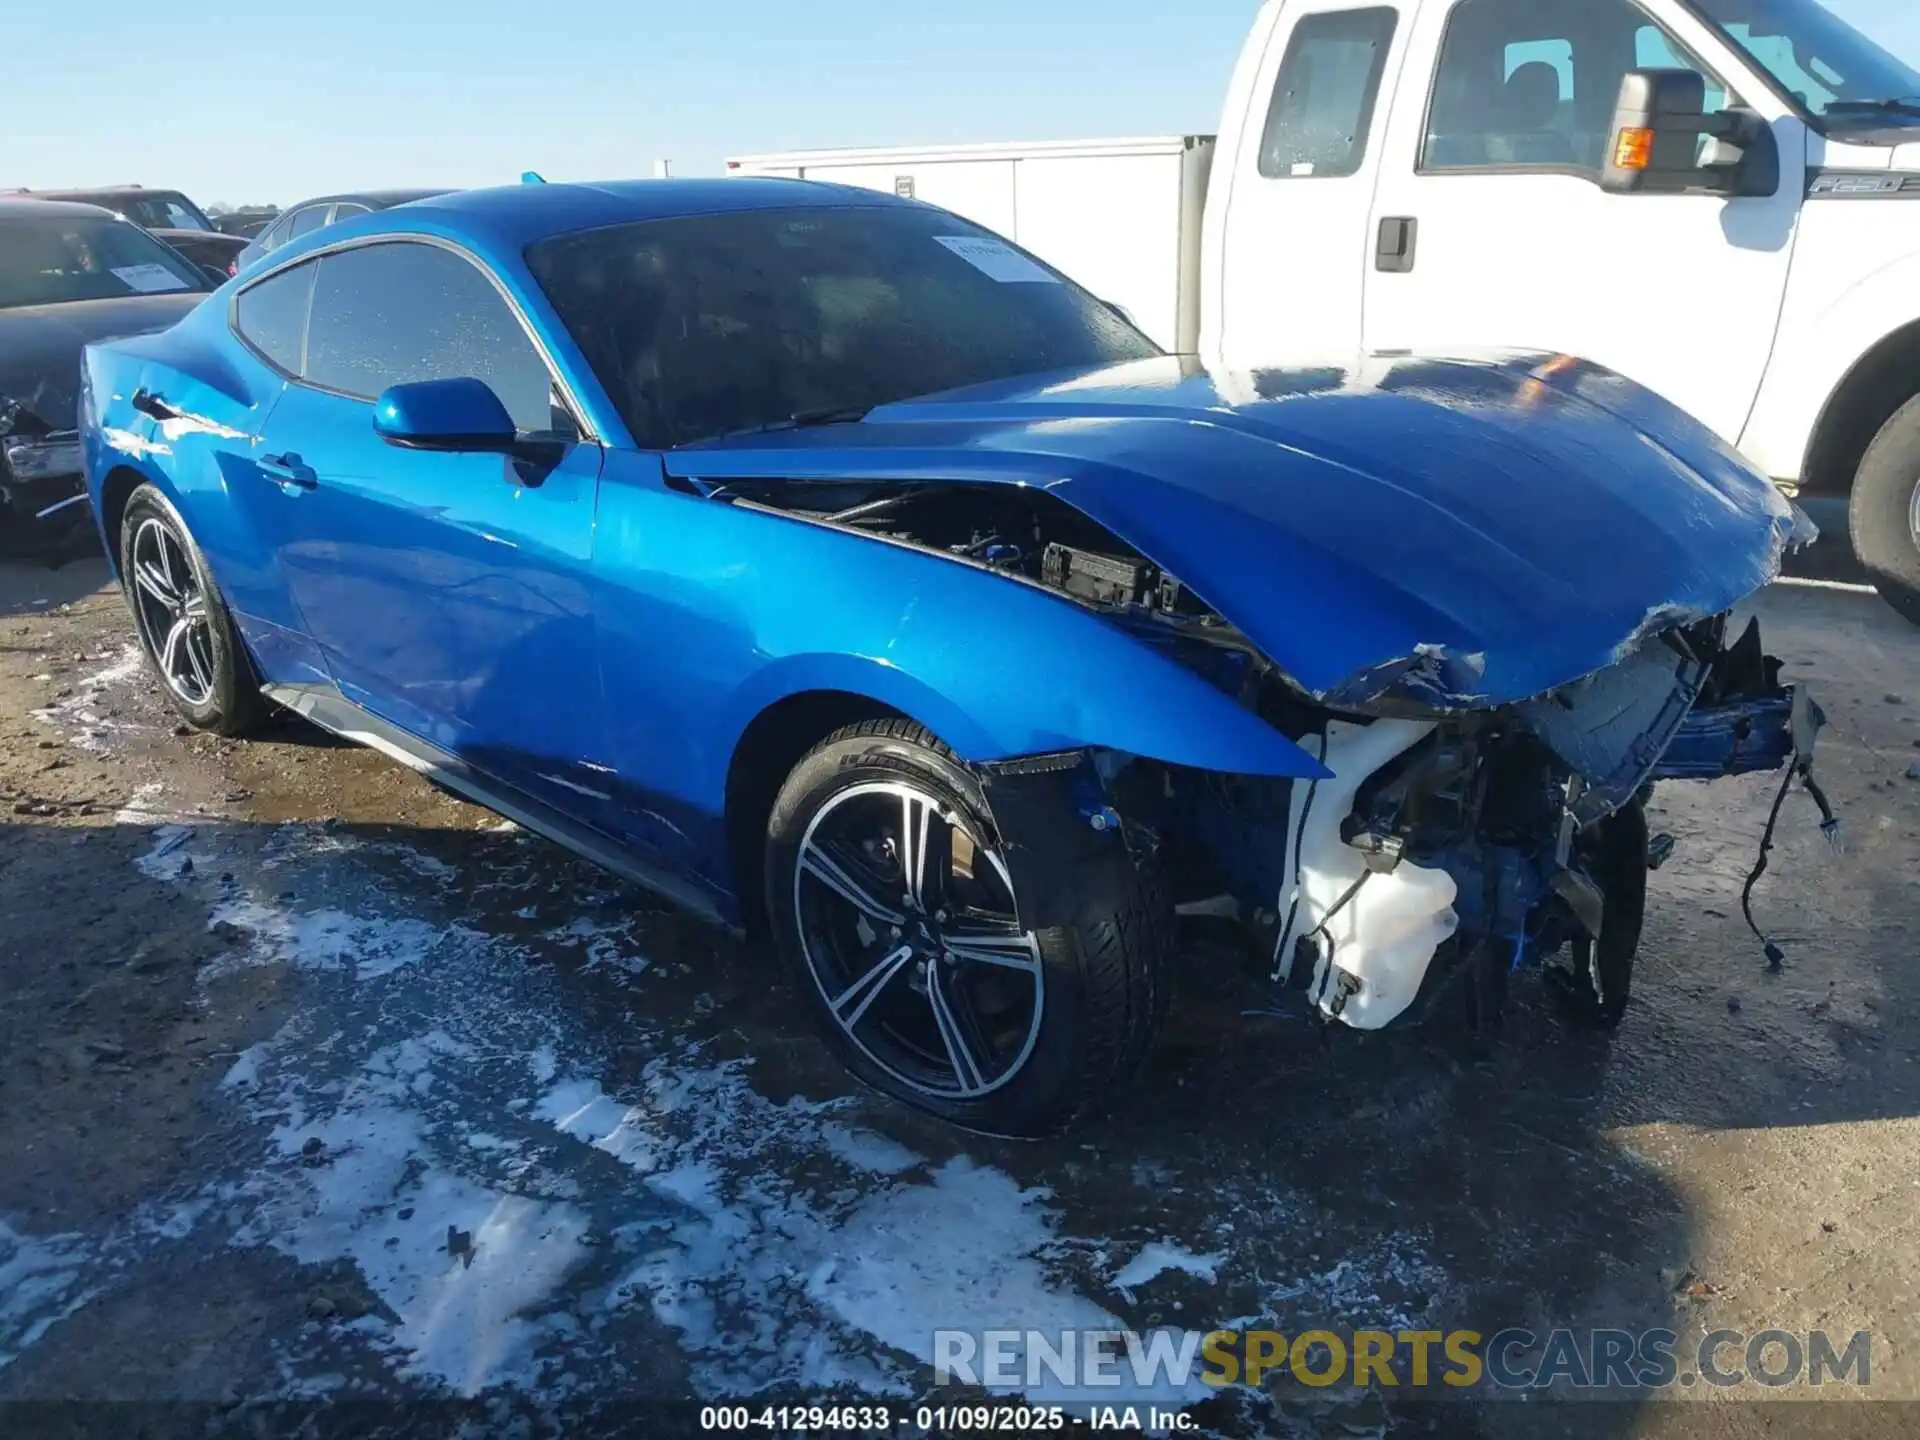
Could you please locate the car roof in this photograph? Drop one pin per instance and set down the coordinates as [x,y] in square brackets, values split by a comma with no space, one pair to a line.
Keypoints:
[32,207]
[522,214]
[117,192]
[380,199]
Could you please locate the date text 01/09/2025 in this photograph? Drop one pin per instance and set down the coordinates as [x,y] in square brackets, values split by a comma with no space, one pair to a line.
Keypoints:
[880,1419]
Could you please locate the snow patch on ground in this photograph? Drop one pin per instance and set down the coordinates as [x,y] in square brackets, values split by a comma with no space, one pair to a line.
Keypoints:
[466,1268]
[610,945]
[40,1285]
[82,715]
[1389,1284]
[1157,1259]
[371,946]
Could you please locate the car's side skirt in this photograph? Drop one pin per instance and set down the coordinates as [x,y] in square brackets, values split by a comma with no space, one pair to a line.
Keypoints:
[333,712]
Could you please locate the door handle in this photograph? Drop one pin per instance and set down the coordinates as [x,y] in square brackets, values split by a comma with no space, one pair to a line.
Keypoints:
[288,472]
[1399,243]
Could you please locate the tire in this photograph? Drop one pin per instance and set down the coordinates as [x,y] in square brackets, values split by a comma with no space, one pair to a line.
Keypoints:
[1051,1022]
[185,630]
[1885,511]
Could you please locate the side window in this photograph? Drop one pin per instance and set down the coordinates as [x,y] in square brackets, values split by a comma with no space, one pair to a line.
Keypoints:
[272,316]
[1531,84]
[1654,49]
[347,211]
[1324,96]
[392,313]
[306,221]
[275,235]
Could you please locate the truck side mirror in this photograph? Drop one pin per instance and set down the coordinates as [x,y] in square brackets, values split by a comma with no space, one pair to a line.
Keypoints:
[1663,142]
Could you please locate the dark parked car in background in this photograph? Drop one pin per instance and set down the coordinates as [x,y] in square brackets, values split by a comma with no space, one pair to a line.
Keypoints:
[69,274]
[248,221]
[319,212]
[149,209]
[214,252]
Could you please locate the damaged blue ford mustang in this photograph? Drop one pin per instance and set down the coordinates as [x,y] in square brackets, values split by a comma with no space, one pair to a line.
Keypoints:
[837,570]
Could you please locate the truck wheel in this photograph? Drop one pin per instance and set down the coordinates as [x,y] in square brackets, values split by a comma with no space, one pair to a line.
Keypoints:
[892,906]
[1885,514]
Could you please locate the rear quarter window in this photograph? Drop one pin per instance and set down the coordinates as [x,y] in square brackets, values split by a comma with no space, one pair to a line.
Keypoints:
[272,317]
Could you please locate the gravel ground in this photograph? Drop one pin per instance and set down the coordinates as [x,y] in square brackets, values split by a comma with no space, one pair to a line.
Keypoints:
[317,1084]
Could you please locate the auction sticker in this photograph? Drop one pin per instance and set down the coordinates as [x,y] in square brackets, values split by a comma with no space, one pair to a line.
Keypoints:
[997,259]
[149,279]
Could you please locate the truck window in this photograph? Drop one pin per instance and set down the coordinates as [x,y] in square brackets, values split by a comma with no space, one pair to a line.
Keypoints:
[1531,84]
[1323,98]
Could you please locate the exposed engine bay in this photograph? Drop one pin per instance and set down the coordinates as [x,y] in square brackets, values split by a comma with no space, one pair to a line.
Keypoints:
[1446,847]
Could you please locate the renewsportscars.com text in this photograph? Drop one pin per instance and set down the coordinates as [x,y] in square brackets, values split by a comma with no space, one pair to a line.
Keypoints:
[1444,1360]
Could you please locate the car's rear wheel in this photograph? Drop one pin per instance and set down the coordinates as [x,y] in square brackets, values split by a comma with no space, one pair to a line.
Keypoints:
[184,627]
[892,904]
[1884,514]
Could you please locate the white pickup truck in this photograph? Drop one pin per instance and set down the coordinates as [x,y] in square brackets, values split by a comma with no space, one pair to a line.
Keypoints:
[1718,198]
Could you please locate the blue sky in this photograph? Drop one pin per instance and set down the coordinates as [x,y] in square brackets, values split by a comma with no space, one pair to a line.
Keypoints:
[269,101]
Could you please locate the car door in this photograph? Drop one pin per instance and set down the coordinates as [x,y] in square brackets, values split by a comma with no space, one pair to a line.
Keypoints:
[1299,185]
[1492,167]
[448,592]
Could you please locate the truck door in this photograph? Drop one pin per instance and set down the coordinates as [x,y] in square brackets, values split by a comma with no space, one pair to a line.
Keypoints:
[1297,161]
[1491,230]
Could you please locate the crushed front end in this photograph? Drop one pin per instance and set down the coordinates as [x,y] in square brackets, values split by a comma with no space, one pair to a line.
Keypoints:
[1454,849]
[1447,847]
[43,510]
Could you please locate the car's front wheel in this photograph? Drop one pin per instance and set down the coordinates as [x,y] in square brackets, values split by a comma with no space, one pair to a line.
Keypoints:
[189,638]
[893,906]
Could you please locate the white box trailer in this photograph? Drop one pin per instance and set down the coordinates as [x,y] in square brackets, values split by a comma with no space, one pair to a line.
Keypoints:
[1120,217]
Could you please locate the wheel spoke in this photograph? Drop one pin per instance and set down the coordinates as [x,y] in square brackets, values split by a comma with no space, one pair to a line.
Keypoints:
[149,578]
[841,879]
[202,667]
[163,544]
[989,942]
[967,1069]
[194,607]
[170,650]
[852,1003]
[926,851]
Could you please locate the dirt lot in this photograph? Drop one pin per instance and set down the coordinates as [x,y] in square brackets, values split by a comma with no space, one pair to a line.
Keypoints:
[318,1084]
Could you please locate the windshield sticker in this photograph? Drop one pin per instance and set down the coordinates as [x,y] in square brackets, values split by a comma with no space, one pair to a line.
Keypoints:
[997,260]
[149,279]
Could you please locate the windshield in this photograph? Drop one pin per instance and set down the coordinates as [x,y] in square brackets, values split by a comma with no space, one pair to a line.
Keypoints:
[1813,54]
[710,324]
[162,211]
[53,259]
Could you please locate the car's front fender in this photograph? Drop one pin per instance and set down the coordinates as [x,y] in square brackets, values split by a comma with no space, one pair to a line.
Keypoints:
[711,612]
[1066,682]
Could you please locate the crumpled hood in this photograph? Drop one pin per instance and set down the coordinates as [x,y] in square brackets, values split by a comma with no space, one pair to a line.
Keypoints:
[1458,533]
[40,345]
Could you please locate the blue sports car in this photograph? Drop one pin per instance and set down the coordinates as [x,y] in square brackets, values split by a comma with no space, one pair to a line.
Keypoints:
[841,572]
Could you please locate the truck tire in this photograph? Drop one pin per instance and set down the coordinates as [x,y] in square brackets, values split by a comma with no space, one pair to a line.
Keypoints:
[893,910]
[1885,513]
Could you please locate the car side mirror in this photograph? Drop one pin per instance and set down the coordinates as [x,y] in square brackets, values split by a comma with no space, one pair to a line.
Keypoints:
[462,414]
[1664,143]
